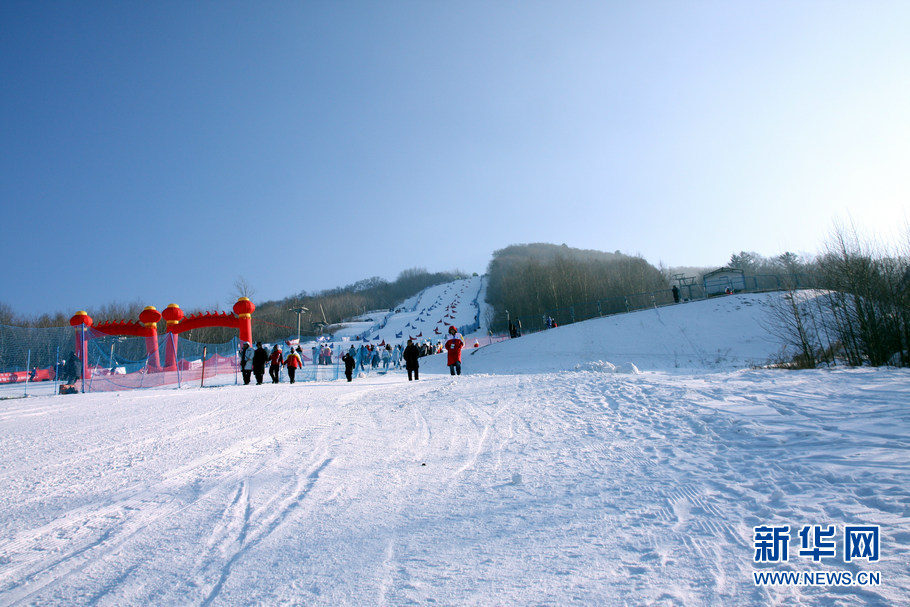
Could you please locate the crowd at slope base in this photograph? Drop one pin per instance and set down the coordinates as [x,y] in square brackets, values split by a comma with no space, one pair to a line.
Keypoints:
[253,361]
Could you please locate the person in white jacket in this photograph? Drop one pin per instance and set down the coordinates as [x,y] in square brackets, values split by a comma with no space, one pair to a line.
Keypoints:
[246,362]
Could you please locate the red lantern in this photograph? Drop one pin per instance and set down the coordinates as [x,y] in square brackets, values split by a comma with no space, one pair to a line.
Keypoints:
[81,318]
[150,316]
[244,308]
[172,314]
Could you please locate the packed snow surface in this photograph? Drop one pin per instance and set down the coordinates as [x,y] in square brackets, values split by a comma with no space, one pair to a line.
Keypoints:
[626,460]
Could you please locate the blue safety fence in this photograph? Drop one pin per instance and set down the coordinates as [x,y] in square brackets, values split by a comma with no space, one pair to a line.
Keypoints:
[33,361]
[32,358]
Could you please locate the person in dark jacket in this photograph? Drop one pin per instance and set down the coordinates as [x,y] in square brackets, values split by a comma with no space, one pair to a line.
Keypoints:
[72,368]
[260,357]
[411,355]
[349,363]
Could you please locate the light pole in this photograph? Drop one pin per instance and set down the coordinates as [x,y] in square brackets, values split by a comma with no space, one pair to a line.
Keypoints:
[299,311]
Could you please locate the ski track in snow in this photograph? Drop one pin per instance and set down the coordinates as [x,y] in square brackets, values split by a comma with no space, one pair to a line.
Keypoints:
[544,488]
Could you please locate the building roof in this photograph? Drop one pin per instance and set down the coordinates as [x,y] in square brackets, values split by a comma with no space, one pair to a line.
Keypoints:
[725,270]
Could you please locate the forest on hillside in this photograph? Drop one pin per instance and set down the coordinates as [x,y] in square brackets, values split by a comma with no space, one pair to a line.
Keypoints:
[527,282]
[849,304]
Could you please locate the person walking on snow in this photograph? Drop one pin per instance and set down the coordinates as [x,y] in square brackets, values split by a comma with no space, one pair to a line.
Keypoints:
[411,356]
[277,360]
[260,357]
[386,358]
[454,344]
[246,362]
[293,362]
[350,361]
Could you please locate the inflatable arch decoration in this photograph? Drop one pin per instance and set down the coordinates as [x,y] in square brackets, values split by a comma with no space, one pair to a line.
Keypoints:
[147,327]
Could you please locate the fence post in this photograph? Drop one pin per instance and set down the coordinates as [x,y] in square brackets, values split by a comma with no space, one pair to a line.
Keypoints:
[84,353]
[28,369]
[204,352]
[173,345]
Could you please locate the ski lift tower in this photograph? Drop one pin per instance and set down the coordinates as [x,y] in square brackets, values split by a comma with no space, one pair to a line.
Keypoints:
[685,282]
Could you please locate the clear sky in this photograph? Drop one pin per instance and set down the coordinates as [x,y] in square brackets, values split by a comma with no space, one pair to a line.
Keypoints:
[158,151]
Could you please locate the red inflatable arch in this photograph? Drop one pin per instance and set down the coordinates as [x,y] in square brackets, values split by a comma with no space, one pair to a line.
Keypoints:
[147,327]
[241,320]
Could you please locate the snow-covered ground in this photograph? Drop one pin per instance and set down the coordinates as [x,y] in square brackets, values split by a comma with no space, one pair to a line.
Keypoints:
[625,460]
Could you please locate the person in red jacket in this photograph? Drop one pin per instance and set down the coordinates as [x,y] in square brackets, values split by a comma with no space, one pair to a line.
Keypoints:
[277,360]
[292,362]
[453,346]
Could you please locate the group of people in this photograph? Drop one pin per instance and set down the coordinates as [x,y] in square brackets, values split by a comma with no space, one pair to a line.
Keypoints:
[70,370]
[252,362]
[453,345]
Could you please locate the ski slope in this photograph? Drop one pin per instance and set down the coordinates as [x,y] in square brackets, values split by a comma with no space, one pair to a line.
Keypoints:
[424,317]
[625,460]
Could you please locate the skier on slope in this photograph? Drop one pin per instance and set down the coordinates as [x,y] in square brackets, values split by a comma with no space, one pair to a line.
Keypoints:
[454,344]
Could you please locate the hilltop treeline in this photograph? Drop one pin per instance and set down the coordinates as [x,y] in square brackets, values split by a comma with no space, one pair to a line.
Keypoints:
[273,320]
[530,281]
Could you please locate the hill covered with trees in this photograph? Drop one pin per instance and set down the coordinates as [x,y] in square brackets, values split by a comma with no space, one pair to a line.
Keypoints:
[529,281]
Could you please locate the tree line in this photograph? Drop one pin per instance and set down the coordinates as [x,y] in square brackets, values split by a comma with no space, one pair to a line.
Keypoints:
[528,282]
[273,321]
[858,309]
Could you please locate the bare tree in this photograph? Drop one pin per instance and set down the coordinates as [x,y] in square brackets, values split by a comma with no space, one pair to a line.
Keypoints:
[242,288]
[7,316]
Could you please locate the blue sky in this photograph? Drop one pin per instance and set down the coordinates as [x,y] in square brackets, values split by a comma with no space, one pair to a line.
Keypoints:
[158,151]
